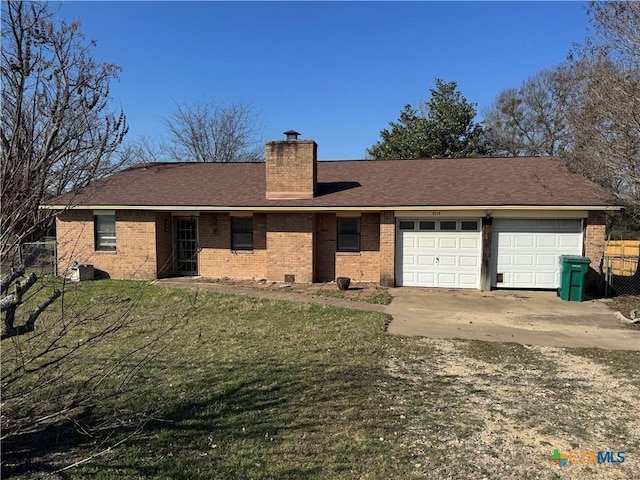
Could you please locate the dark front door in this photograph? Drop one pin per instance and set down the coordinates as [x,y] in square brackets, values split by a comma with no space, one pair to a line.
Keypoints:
[187,245]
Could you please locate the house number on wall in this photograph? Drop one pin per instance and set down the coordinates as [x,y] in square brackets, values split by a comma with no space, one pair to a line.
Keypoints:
[436,213]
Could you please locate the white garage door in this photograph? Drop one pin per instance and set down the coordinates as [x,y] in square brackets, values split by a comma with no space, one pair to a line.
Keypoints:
[438,253]
[525,252]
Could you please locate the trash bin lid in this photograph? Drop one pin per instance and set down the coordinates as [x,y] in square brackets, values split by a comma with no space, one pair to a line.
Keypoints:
[574,259]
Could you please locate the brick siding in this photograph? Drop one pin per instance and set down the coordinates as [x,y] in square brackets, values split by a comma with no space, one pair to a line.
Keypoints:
[595,238]
[325,247]
[290,246]
[216,258]
[387,249]
[291,168]
[135,254]
[363,266]
[164,244]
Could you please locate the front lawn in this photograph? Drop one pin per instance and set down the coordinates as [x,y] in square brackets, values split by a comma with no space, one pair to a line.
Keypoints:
[236,387]
[203,386]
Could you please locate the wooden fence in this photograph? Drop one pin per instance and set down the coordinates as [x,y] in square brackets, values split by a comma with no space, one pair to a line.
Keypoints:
[623,256]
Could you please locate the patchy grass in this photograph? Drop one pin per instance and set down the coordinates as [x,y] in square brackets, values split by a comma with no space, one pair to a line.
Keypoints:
[359,292]
[207,386]
[619,363]
[476,409]
[378,296]
[624,304]
[237,387]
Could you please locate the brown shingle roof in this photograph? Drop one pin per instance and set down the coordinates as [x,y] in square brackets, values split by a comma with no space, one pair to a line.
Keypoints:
[523,181]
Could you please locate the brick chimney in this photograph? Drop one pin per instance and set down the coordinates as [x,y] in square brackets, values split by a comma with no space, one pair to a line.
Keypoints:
[291,168]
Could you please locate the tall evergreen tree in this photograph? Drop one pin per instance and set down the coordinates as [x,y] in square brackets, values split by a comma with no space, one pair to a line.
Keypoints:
[442,127]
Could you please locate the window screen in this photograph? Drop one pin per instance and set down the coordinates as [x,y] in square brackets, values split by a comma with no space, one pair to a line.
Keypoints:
[241,233]
[348,234]
[105,232]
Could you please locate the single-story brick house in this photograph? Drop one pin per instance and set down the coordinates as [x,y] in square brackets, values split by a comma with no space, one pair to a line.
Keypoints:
[463,223]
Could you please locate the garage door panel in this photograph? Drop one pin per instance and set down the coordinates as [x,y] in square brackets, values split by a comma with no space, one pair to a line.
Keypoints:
[546,260]
[448,260]
[426,260]
[546,278]
[523,241]
[505,240]
[525,252]
[468,261]
[546,241]
[470,281]
[569,241]
[524,260]
[447,242]
[409,242]
[425,279]
[447,279]
[409,260]
[526,279]
[428,242]
[469,243]
[505,260]
[409,278]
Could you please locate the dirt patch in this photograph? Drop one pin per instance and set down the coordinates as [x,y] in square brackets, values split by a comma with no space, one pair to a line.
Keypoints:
[499,410]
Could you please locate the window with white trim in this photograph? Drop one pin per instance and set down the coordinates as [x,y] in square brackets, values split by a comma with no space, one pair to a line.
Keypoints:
[105,232]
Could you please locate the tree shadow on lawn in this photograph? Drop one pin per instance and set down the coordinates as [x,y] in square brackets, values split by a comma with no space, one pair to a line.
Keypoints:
[288,419]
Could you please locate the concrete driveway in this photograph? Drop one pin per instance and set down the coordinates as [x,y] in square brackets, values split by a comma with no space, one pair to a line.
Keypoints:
[529,317]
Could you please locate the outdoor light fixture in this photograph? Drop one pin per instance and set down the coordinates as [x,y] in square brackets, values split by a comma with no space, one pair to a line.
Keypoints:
[489,213]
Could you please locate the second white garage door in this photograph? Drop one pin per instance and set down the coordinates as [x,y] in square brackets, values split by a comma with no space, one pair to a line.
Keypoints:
[438,253]
[525,252]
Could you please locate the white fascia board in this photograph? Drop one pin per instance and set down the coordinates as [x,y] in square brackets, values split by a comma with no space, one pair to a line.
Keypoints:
[396,208]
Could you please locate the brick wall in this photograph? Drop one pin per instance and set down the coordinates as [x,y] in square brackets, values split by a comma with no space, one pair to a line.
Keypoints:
[216,258]
[363,266]
[164,244]
[595,238]
[325,247]
[290,246]
[283,244]
[387,249]
[134,257]
[291,168]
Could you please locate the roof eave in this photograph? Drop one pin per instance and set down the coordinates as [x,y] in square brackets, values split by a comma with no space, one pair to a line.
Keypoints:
[319,208]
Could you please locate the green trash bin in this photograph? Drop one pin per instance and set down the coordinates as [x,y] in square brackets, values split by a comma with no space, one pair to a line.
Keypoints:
[573,277]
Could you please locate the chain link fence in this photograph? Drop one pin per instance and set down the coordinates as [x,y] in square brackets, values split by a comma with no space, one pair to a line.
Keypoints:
[622,275]
[40,257]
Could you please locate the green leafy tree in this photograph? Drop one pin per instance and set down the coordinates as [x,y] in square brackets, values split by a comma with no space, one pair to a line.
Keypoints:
[442,127]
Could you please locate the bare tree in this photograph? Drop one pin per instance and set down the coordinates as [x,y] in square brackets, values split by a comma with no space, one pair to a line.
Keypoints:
[530,120]
[49,390]
[617,26]
[604,119]
[211,132]
[603,77]
[56,129]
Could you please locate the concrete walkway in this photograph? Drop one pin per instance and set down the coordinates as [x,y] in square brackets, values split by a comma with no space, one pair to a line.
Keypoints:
[528,317]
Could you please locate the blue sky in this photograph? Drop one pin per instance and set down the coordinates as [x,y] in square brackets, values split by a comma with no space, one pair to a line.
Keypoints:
[337,72]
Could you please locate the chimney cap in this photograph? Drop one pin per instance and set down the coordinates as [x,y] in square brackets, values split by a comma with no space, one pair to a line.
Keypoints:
[291,134]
